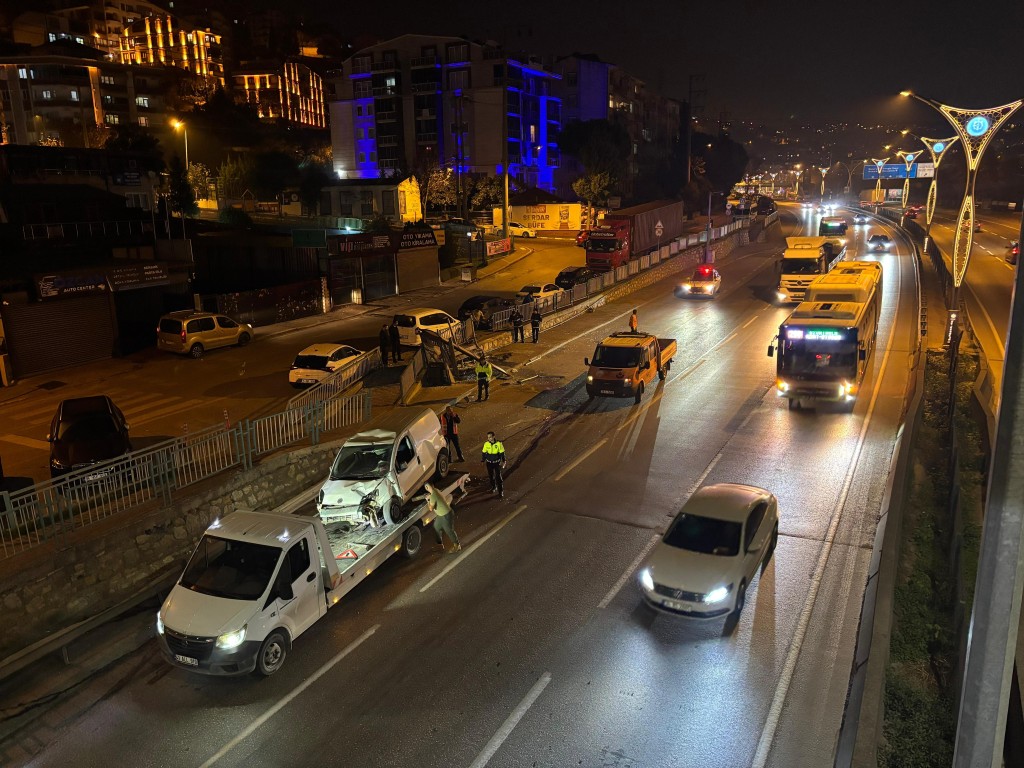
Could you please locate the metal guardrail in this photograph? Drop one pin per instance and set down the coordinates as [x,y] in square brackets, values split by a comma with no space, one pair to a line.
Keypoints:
[31,516]
[337,382]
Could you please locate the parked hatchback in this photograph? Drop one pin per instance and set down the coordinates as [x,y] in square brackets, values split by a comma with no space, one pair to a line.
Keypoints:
[570,277]
[192,333]
[86,431]
[318,361]
[710,553]
[520,231]
[413,321]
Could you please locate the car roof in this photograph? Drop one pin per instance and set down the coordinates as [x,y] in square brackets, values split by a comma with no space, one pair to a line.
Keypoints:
[724,501]
[571,270]
[322,349]
[387,426]
[79,406]
[420,311]
[258,528]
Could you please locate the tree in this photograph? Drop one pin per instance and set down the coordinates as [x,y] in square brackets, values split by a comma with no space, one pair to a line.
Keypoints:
[313,177]
[199,180]
[725,159]
[439,189]
[695,194]
[602,147]
[592,189]
[235,176]
[181,196]
[272,172]
[488,191]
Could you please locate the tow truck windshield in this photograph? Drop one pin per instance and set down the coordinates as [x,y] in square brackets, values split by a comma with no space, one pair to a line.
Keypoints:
[801,266]
[616,357]
[236,570]
[819,359]
[362,462]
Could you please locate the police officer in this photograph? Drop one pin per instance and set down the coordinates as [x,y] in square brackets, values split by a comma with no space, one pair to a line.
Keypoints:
[517,325]
[395,337]
[535,319]
[384,340]
[484,372]
[494,459]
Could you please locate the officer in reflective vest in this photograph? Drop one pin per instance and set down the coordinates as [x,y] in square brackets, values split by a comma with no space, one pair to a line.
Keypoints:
[484,372]
[494,458]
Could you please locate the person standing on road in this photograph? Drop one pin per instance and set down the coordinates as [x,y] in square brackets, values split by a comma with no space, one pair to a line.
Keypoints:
[535,319]
[443,518]
[517,325]
[494,459]
[384,341]
[450,422]
[634,322]
[396,342]
[484,372]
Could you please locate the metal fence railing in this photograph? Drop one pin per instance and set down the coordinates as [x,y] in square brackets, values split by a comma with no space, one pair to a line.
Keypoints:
[337,382]
[33,515]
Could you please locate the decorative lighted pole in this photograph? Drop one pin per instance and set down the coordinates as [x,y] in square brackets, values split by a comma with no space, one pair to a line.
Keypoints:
[908,160]
[975,128]
[796,170]
[879,164]
[178,125]
[823,172]
[937,149]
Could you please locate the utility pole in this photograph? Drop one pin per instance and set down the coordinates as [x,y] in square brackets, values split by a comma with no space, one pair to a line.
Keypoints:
[504,148]
[459,153]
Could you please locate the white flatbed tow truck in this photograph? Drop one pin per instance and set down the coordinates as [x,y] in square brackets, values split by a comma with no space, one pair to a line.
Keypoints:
[258,580]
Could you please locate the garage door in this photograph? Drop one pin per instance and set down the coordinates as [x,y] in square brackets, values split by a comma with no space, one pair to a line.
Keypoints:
[52,334]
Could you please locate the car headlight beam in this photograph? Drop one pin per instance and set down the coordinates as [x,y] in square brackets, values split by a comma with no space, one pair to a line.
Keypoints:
[647,579]
[717,595]
[159,623]
[230,640]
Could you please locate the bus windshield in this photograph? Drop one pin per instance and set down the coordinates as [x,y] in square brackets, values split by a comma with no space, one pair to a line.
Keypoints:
[823,360]
[794,266]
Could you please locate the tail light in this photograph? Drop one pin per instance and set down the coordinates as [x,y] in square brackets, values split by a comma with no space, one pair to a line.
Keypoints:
[183,334]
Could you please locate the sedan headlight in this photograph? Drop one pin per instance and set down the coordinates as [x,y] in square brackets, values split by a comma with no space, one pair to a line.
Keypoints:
[647,579]
[230,640]
[717,595]
[159,623]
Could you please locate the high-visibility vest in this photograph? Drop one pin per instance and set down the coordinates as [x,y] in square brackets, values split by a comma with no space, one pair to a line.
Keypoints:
[484,371]
[495,449]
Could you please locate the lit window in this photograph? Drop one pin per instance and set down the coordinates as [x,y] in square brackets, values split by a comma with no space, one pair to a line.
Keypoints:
[52,37]
[47,95]
[142,101]
[23,73]
[112,119]
[144,121]
[74,95]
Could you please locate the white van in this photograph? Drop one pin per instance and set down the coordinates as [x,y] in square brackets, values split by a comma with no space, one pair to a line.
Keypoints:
[378,470]
[413,321]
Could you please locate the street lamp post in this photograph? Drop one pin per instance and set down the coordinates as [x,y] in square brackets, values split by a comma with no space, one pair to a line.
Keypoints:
[178,125]
[823,172]
[796,170]
[937,149]
[908,160]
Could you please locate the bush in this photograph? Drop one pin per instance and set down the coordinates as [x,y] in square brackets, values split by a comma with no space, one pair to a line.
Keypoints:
[234,217]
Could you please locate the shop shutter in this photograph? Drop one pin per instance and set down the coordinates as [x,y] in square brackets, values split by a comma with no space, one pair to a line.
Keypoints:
[44,335]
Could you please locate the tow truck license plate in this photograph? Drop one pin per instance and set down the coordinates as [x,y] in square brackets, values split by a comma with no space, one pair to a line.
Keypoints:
[607,392]
[186,660]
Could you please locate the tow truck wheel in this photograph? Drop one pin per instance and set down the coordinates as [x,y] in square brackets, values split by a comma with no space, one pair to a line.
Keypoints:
[663,373]
[639,392]
[412,540]
[272,654]
[442,464]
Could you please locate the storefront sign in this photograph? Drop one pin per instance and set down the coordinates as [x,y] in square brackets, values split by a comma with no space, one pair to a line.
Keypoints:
[71,283]
[548,216]
[129,277]
[417,238]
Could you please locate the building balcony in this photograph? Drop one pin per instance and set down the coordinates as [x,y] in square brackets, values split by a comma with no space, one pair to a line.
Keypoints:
[362,67]
[426,138]
[387,141]
[425,61]
[492,53]
[389,165]
[386,90]
[385,66]
[386,117]
[426,87]
[88,230]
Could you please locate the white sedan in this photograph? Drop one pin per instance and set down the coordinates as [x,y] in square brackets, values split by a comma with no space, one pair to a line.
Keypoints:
[520,231]
[542,293]
[705,281]
[705,562]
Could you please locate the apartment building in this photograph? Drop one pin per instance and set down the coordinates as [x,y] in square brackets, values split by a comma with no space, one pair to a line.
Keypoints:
[293,90]
[419,101]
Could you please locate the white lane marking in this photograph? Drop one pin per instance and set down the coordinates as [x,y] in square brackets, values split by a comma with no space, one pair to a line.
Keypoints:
[27,442]
[475,546]
[511,722]
[606,601]
[707,471]
[581,458]
[748,322]
[682,375]
[771,725]
[287,699]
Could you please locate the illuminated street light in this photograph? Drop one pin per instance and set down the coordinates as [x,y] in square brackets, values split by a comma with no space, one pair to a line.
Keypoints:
[823,172]
[937,149]
[178,125]
[796,170]
[908,161]
[975,128]
[880,164]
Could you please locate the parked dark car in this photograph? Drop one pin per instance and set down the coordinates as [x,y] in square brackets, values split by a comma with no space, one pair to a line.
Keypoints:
[86,431]
[570,277]
[486,304]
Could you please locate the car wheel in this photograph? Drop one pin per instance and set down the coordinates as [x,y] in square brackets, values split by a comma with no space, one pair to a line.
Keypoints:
[396,511]
[244,339]
[412,540]
[196,351]
[741,600]
[443,464]
[639,392]
[272,654]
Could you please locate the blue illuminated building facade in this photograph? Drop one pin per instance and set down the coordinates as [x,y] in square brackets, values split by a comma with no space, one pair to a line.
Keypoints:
[421,101]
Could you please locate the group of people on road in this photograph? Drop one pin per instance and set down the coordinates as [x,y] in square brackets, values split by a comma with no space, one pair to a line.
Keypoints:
[493,457]
[389,339]
[518,323]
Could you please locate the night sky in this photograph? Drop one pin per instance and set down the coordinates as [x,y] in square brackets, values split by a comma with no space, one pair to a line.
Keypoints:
[763,61]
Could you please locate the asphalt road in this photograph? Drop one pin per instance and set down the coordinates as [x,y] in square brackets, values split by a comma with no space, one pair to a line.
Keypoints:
[532,649]
[166,395]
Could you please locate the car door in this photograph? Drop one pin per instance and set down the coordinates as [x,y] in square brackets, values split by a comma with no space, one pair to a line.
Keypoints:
[227,331]
[408,466]
[754,538]
[297,587]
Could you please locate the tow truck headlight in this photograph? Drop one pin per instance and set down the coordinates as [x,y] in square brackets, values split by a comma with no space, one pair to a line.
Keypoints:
[159,623]
[781,296]
[230,640]
[782,385]
[590,379]
[627,382]
[647,579]
[717,595]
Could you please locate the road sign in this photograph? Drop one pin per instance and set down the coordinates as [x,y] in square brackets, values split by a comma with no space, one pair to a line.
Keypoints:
[899,171]
[659,230]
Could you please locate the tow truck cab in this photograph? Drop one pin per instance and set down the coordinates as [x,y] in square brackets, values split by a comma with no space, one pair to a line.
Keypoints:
[625,364]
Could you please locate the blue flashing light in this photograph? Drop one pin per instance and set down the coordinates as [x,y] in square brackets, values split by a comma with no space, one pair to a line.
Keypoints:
[977,126]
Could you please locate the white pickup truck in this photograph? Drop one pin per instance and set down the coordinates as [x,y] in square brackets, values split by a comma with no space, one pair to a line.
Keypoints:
[258,580]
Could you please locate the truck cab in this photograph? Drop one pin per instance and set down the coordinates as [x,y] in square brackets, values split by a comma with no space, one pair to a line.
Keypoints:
[378,470]
[625,364]
[608,246]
